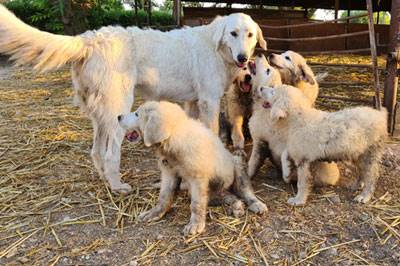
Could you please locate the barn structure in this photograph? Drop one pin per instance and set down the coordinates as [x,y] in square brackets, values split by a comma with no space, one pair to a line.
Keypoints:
[287,26]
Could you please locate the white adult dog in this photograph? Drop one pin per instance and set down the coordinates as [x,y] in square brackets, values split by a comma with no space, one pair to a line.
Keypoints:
[191,64]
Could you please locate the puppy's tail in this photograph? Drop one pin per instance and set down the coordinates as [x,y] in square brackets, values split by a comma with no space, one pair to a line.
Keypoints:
[321,76]
[45,51]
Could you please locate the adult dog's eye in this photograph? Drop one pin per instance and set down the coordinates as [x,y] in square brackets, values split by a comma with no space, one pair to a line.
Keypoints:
[136,114]
[250,34]
[268,71]
[287,58]
[234,34]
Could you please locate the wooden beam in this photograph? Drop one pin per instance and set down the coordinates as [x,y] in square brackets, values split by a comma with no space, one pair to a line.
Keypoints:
[372,43]
[336,9]
[391,79]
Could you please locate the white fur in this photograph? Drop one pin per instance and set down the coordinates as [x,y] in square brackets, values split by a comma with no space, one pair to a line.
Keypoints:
[275,135]
[355,134]
[190,64]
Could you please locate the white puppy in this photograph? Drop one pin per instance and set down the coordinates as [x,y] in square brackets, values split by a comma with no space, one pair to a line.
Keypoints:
[270,139]
[355,134]
[189,150]
[190,64]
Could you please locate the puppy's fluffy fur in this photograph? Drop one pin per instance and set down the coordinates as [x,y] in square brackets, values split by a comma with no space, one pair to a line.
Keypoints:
[264,132]
[295,71]
[191,151]
[239,101]
[355,134]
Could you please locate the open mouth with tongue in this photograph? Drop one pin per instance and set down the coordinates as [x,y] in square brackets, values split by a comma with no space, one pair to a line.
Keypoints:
[132,136]
[245,86]
[266,105]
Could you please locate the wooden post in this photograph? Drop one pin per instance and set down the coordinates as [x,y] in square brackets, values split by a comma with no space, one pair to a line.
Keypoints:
[176,12]
[336,9]
[136,13]
[392,61]
[372,43]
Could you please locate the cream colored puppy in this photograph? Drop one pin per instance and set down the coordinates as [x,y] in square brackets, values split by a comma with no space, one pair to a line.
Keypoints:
[239,101]
[186,149]
[295,71]
[355,134]
[270,139]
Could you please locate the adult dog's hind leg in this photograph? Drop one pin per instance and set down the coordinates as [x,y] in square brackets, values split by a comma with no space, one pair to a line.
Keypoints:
[209,113]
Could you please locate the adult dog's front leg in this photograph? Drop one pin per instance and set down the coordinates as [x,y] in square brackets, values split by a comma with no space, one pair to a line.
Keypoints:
[198,206]
[168,185]
[209,114]
[304,184]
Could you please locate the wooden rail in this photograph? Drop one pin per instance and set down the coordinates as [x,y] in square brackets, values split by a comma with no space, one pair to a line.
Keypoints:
[343,35]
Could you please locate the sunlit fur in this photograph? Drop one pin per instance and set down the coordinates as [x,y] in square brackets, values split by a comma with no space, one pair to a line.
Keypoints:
[190,64]
[355,134]
[186,149]
[295,71]
[264,131]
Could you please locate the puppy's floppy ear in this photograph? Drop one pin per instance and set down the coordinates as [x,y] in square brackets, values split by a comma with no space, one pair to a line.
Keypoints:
[155,129]
[305,73]
[260,38]
[277,113]
[219,31]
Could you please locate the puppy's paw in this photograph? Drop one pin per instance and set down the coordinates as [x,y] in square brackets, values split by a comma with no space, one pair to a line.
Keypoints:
[193,228]
[151,215]
[295,201]
[363,198]
[238,209]
[258,207]
[121,188]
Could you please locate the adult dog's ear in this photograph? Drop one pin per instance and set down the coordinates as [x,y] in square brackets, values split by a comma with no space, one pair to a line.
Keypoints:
[305,73]
[219,31]
[260,39]
[155,130]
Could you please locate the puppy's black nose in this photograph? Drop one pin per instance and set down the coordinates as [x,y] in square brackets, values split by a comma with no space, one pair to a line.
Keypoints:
[247,78]
[119,117]
[242,58]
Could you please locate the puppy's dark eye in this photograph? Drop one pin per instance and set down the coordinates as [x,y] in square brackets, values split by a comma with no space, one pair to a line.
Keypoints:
[250,34]
[287,58]
[136,114]
[268,71]
[245,68]
[234,34]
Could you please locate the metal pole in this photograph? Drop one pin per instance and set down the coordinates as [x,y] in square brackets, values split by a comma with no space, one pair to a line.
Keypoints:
[392,61]
[373,55]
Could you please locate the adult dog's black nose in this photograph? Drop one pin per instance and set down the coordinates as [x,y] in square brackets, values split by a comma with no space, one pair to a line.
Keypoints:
[119,117]
[242,58]
[247,78]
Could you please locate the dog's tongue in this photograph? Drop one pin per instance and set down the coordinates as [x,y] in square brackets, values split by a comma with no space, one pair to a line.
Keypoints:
[132,136]
[246,87]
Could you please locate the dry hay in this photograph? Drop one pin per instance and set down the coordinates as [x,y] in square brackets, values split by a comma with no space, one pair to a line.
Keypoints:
[54,209]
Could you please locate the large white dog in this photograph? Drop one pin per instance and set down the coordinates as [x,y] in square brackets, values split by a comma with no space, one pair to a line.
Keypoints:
[186,65]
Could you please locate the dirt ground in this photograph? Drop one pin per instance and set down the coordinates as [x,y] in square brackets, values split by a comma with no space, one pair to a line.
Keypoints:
[54,210]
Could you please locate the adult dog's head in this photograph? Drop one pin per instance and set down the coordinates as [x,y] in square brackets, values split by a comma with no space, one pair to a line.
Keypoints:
[236,37]
[293,68]
[154,122]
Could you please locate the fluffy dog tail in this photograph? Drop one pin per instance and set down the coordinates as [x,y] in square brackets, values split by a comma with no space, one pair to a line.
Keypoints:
[45,51]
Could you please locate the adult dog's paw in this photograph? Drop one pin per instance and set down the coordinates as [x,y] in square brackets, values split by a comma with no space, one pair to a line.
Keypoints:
[151,215]
[194,228]
[258,207]
[295,201]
